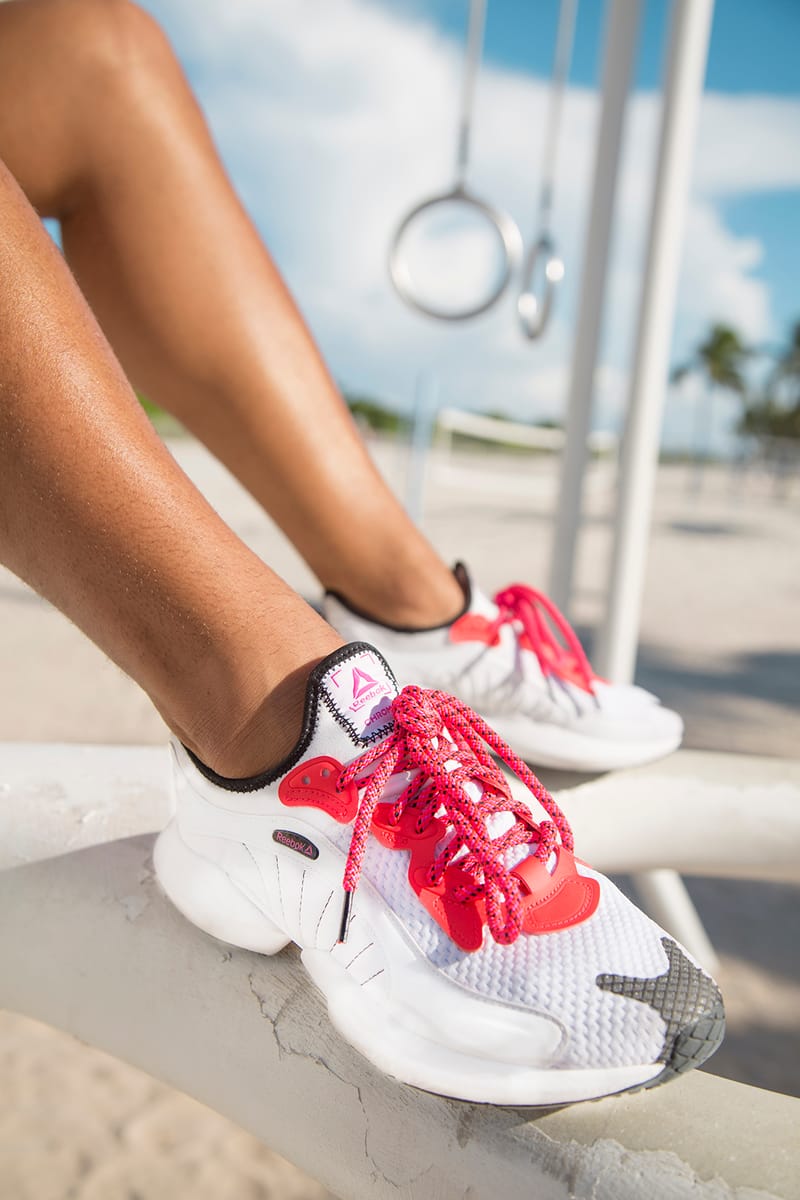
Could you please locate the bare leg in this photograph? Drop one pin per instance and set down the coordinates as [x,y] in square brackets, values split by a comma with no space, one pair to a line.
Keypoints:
[189,298]
[96,516]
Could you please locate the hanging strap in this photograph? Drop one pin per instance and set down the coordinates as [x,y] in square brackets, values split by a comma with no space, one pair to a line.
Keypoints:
[543,269]
[561,64]
[502,225]
[472,59]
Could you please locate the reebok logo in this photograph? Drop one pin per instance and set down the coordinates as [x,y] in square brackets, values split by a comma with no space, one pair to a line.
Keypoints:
[362,682]
[362,692]
[295,841]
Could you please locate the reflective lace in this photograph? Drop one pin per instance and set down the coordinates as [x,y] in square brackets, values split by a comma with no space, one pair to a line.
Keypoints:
[538,616]
[446,745]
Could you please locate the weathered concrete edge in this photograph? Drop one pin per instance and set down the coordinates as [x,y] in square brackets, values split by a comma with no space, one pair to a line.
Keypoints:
[90,946]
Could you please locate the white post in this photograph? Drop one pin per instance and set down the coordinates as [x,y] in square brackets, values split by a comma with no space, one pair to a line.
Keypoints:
[620,44]
[691,26]
[426,397]
[663,892]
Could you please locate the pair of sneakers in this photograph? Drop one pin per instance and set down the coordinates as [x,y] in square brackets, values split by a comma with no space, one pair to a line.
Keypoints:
[459,943]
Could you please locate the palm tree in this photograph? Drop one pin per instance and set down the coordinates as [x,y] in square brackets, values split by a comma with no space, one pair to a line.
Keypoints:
[784,382]
[776,414]
[719,361]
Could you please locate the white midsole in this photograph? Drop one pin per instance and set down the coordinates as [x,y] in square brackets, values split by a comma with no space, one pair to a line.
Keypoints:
[550,745]
[364,1015]
[416,1060]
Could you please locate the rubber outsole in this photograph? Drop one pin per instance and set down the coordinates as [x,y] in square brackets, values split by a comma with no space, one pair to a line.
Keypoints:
[693,1045]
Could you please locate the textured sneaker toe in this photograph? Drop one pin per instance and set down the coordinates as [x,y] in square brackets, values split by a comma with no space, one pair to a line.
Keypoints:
[690,1004]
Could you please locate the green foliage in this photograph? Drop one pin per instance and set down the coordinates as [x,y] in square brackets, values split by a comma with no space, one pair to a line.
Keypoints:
[498,414]
[784,381]
[149,407]
[375,416]
[765,418]
[163,422]
[776,414]
[720,360]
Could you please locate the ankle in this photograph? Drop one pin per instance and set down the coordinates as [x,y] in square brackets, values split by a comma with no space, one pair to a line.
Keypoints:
[268,734]
[249,729]
[406,599]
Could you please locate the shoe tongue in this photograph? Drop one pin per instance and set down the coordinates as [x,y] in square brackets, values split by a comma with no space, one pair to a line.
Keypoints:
[359,687]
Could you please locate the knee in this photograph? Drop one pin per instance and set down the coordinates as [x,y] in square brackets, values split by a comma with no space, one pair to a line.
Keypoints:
[97,49]
[117,41]
[73,75]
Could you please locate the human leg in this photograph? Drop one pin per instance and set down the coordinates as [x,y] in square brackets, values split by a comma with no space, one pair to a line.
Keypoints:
[97,517]
[189,297]
[203,321]
[461,993]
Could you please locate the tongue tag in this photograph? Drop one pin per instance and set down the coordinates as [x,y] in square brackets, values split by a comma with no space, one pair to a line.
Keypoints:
[361,691]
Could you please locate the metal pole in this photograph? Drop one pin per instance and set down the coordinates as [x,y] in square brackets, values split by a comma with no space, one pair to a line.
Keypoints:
[426,397]
[662,891]
[620,44]
[691,25]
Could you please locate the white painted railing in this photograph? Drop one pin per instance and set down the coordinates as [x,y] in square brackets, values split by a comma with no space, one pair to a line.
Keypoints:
[88,944]
[515,433]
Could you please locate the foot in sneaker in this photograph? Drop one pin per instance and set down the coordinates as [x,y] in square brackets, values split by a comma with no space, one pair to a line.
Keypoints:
[517,662]
[458,943]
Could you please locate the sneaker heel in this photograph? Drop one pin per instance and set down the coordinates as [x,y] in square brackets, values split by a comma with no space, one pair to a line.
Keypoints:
[204,894]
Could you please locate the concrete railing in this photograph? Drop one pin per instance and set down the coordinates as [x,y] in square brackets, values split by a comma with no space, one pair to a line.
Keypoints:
[515,433]
[88,944]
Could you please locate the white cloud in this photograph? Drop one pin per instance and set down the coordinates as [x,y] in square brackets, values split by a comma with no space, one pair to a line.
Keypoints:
[748,143]
[335,117]
[717,275]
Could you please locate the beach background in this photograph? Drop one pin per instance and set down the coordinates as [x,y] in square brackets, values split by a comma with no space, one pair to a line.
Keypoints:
[720,642]
[333,119]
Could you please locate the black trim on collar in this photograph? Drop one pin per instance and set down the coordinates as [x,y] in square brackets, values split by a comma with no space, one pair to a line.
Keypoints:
[314,692]
[463,581]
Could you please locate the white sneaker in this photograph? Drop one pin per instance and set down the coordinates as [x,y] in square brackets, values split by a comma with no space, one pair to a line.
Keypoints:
[518,663]
[459,945]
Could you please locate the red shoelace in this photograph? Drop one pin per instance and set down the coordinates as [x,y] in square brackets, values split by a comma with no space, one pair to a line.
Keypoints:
[419,744]
[538,616]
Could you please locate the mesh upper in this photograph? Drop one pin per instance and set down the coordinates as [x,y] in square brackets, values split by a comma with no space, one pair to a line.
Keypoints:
[553,974]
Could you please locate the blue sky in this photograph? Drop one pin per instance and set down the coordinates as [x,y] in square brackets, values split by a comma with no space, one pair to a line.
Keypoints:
[754,49]
[333,118]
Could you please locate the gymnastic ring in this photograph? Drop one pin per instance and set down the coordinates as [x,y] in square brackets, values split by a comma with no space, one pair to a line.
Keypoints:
[534,309]
[502,224]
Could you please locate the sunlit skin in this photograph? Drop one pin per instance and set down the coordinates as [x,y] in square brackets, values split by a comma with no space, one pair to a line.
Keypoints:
[188,297]
[176,294]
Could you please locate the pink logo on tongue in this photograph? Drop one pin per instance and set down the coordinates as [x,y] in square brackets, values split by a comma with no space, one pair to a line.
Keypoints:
[368,699]
[362,682]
